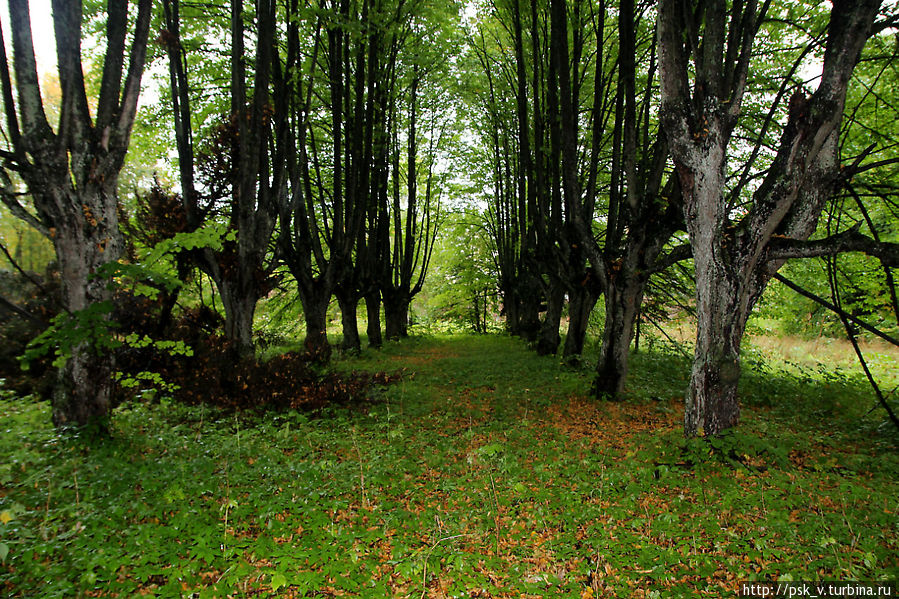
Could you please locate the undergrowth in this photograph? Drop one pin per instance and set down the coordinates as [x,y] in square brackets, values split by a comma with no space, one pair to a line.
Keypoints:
[483,472]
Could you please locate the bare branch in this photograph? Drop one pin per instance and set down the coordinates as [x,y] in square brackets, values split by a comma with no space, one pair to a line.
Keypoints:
[782,248]
[681,252]
[10,199]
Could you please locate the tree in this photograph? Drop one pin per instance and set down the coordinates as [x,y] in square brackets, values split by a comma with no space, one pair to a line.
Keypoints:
[240,172]
[735,250]
[414,219]
[71,173]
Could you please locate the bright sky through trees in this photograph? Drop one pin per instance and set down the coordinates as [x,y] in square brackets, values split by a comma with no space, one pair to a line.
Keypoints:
[42,30]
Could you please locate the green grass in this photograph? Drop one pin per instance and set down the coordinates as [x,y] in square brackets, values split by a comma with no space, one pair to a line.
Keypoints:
[486,472]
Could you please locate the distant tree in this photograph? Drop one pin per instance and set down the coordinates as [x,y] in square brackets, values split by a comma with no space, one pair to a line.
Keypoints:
[463,280]
[71,173]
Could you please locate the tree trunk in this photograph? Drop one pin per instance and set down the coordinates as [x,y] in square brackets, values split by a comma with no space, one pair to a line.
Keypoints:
[549,338]
[71,174]
[528,324]
[85,241]
[315,313]
[581,302]
[396,317]
[239,302]
[712,405]
[476,315]
[373,312]
[349,320]
[622,303]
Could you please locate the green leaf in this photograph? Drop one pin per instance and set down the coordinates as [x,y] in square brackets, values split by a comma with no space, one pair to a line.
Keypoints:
[278,581]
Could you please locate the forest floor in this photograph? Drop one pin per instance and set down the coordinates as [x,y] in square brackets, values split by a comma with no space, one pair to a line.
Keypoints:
[485,472]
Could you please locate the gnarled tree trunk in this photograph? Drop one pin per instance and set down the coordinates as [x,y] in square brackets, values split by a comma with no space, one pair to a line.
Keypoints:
[315,302]
[71,175]
[734,262]
[549,338]
[581,302]
[623,297]
[348,301]
[86,239]
[396,316]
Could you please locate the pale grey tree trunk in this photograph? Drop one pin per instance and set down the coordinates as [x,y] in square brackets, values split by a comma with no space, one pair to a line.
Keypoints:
[733,260]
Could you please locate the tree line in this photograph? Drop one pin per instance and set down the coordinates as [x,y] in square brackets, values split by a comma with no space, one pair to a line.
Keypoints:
[625,137]
[616,140]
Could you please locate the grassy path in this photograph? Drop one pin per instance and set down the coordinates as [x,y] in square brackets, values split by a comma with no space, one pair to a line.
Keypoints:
[485,472]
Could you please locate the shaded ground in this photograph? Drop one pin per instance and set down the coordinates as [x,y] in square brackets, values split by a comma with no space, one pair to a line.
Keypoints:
[486,472]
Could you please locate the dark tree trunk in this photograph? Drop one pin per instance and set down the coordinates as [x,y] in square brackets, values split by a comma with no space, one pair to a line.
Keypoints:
[373,312]
[622,303]
[349,304]
[528,309]
[549,338]
[581,302]
[315,314]
[396,317]
[239,302]
[511,310]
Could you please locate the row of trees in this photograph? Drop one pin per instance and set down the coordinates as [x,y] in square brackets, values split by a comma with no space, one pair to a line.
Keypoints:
[320,158]
[614,130]
[615,140]
[310,168]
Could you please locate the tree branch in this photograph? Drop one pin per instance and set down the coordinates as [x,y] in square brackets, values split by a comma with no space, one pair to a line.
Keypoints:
[782,248]
[842,313]
[9,199]
[9,305]
[681,252]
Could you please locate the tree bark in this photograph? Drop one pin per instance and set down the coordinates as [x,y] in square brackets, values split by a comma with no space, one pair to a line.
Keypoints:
[84,244]
[349,304]
[239,302]
[315,315]
[623,297]
[732,268]
[71,175]
[396,316]
[373,326]
[581,302]
[549,338]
